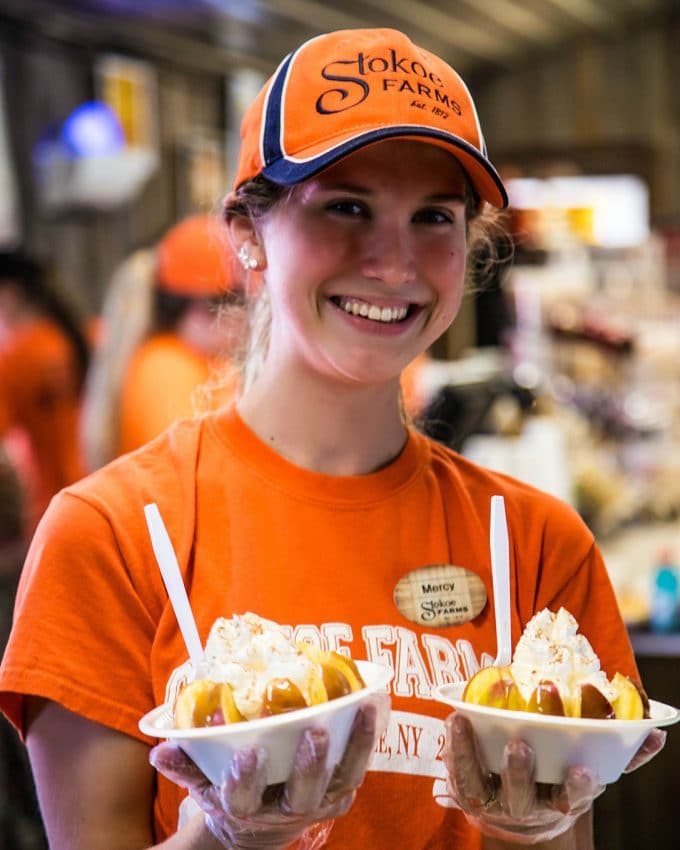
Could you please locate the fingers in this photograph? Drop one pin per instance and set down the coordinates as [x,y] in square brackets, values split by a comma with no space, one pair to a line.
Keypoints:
[653,743]
[518,791]
[244,783]
[350,773]
[578,791]
[469,781]
[175,764]
[307,783]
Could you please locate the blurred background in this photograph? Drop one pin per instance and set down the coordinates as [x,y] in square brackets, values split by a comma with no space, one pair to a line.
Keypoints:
[119,118]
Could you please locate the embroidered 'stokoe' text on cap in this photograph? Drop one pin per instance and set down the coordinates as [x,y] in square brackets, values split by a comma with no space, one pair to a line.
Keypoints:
[341,91]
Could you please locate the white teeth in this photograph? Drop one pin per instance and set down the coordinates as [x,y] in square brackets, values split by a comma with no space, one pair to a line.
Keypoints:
[372,311]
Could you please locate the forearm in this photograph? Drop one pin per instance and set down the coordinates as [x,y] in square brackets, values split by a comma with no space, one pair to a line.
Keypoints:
[579,837]
[194,836]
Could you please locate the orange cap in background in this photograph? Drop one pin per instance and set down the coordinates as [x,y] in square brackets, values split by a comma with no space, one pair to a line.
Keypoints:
[194,259]
[341,91]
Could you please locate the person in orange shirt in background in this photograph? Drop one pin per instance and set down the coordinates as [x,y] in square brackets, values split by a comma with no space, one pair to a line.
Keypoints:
[43,361]
[171,320]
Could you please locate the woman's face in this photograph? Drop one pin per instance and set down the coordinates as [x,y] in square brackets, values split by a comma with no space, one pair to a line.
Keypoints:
[365,262]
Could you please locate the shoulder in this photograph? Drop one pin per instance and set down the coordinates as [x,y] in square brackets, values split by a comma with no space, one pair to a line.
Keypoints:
[162,471]
[36,340]
[163,346]
[537,510]
[168,359]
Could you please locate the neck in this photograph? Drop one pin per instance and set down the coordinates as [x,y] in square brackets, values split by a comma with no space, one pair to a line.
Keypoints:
[336,429]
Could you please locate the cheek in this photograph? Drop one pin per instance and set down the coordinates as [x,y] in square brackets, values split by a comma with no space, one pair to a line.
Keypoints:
[447,266]
[448,271]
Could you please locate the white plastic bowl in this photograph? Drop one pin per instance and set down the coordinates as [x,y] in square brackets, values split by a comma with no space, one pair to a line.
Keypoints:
[603,746]
[212,747]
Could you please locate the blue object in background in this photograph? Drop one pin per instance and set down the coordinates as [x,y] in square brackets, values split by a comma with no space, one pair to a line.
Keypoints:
[92,129]
[665,608]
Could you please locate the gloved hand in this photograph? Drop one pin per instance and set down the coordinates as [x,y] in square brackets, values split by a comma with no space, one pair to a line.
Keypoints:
[652,744]
[512,807]
[244,813]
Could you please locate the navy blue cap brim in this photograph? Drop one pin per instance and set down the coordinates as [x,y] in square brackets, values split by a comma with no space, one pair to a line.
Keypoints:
[484,177]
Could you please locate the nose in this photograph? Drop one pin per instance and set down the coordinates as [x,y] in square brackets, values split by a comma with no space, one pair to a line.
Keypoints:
[388,254]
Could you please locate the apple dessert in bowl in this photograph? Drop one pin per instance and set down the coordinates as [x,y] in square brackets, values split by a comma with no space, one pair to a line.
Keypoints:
[554,696]
[256,688]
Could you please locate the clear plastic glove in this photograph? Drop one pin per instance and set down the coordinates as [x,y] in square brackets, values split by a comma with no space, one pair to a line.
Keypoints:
[244,813]
[652,744]
[512,807]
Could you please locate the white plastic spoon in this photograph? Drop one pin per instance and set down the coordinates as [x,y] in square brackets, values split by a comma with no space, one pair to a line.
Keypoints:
[500,570]
[174,584]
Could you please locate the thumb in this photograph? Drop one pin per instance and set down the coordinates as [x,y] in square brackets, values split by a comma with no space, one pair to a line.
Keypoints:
[172,762]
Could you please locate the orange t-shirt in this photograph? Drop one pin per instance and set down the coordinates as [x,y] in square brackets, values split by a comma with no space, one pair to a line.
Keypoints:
[158,389]
[39,399]
[316,553]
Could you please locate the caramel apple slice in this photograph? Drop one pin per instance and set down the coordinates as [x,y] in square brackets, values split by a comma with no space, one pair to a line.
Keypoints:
[546,699]
[629,703]
[318,688]
[230,713]
[515,700]
[346,667]
[332,682]
[592,703]
[340,674]
[195,703]
[335,681]
[493,687]
[282,695]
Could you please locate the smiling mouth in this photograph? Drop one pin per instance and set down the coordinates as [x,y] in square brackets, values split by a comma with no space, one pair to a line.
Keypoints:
[373,312]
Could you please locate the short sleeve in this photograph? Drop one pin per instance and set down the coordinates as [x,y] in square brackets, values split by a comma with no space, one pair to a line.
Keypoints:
[587,593]
[83,625]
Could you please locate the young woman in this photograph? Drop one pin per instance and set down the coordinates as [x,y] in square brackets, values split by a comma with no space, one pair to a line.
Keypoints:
[362,182]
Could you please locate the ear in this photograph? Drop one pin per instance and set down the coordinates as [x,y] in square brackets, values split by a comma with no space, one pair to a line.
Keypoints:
[246,243]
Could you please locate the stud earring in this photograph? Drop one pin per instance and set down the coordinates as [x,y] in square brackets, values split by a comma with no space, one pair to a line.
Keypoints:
[247,261]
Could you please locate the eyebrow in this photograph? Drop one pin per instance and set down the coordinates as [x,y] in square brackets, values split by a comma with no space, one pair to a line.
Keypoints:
[357,189]
[446,196]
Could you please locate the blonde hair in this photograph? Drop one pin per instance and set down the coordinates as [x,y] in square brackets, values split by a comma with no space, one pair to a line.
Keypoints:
[127,317]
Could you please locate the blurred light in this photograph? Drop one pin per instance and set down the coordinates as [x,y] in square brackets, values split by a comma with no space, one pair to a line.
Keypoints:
[93,129]
[611,211]
[527,375]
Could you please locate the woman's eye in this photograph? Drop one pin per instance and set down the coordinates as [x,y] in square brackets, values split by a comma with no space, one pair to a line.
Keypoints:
[347,207]
[434,216]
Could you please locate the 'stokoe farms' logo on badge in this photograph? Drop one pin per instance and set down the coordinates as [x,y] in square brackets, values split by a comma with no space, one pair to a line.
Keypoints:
[389,72]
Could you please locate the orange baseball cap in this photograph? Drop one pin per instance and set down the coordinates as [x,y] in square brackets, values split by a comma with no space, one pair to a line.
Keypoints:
[343,90]
[194,259]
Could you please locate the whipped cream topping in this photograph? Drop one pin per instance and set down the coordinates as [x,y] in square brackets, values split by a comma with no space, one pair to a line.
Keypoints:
[247,652]
[551,649]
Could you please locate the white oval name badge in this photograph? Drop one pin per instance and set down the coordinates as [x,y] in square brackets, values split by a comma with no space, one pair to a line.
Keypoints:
[440,595]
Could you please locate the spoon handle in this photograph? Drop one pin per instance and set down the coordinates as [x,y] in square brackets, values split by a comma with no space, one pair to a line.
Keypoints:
[174,584]
[500,570]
